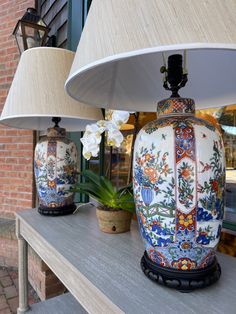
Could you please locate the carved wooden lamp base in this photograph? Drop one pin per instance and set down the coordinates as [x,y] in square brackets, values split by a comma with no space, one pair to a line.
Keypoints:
[57,211]
[184,281]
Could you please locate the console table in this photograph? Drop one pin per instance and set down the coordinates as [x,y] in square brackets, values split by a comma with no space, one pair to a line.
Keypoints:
[102,271]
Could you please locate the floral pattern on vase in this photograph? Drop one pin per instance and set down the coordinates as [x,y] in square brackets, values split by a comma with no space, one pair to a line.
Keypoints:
[211,194]
[180,159]
[186,184]
[154,175]
[55,169]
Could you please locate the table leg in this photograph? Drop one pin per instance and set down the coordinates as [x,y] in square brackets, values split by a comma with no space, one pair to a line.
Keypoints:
[23,275]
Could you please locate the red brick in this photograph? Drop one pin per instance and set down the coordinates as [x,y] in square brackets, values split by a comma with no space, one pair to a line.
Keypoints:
[26,189]
[14,303]
[3,153]
[3,273]
[6,311]
[12,50]
[5,167]
[5,139]
[11,132]
[3,79]
[26,147]
[22,167]
[11,160]
[11,146]
[23,153]
[25,132]
[6,282]
[22,139]
[10,291]
[3,304]
[9,78]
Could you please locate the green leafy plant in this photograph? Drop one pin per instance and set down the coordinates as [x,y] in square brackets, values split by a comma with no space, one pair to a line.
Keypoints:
[101,189]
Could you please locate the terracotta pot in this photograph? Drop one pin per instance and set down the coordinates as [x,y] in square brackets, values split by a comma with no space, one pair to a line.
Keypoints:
[113,221]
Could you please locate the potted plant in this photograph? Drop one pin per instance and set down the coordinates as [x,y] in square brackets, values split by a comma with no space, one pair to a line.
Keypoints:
[116,206]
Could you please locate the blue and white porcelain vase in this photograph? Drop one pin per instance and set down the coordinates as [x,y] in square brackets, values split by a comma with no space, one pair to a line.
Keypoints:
[55,168]
[179,188]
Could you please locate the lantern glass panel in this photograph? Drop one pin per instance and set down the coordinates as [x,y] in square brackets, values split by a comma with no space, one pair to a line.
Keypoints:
[19,38]
[29,35]
[33,37]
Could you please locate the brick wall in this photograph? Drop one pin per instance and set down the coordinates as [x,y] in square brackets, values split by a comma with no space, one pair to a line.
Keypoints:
[16,146]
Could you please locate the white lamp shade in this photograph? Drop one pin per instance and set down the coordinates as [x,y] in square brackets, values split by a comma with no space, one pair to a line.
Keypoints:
[118,60]
[37,93]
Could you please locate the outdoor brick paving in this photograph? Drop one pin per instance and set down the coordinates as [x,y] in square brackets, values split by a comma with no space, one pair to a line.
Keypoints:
[9,291]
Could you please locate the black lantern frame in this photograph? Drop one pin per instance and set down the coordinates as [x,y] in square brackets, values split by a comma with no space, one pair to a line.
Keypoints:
[31,26]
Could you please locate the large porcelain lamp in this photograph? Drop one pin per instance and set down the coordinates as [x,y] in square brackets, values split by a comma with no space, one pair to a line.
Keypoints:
[127,50]
[37,100]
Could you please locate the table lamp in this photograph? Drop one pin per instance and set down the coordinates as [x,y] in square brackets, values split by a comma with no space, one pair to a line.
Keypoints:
[133,54]
[36,100]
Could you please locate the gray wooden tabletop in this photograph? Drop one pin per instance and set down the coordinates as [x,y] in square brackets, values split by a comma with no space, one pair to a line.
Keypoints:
[103,271]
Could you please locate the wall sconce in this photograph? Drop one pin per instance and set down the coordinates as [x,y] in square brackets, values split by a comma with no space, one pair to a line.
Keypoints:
[30,31]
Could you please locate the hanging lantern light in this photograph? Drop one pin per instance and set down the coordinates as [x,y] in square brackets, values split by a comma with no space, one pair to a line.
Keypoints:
[30,31]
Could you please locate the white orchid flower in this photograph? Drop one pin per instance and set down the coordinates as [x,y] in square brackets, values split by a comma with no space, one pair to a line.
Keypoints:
[93,129]
[114,137]
[91,138]
[90,151]
[86,153]
[91,141]
[102,124]
[92,135]
[120,117]
[110,126]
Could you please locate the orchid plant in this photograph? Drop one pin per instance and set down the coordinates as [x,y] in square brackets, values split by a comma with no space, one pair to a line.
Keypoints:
[108,196]
[93,133]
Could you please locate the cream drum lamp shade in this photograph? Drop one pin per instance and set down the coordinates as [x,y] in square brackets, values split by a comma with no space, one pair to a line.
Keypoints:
[118,60]
[37,93]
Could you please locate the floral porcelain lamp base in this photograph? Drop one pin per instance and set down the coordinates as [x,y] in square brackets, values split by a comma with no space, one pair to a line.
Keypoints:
[179,190]
[184,281]
[55,169]
[179,175]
